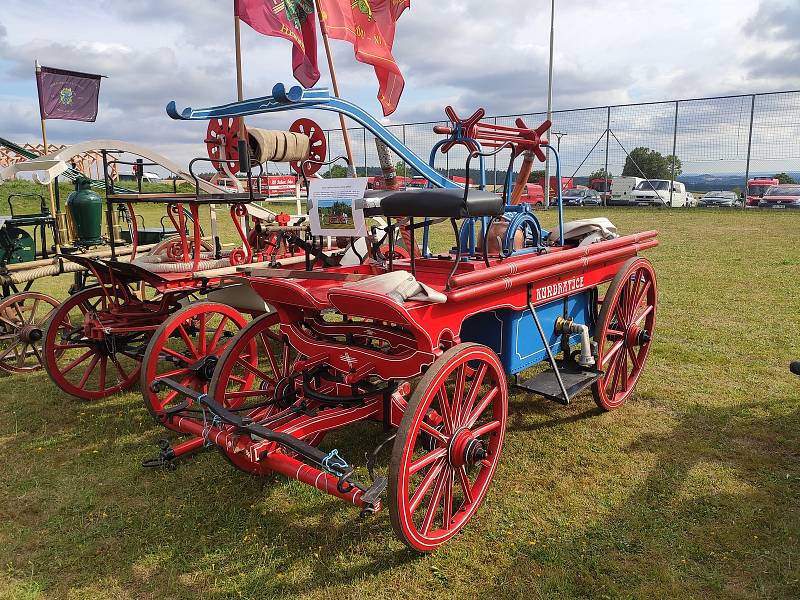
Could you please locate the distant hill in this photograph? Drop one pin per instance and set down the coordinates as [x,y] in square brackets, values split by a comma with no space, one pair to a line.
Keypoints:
[707,182]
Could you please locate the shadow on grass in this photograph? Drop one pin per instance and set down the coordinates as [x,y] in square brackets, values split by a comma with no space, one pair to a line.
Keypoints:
[716,516]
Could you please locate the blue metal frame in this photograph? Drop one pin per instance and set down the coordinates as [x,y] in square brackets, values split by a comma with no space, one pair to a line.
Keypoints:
[298,98]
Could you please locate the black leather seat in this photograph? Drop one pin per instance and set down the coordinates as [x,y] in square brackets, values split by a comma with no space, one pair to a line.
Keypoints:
[435,203]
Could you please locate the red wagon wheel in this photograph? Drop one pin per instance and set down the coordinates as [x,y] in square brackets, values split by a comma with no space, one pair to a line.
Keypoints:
[254,371]
[624,332]
[89,369]
[447,446]
[223,135]
[318,147]
[22,319]
[186,348]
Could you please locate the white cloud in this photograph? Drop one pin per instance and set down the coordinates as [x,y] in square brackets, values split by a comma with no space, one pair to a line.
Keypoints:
[467,53]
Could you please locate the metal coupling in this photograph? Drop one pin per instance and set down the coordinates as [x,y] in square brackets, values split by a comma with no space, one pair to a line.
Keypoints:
[568,327]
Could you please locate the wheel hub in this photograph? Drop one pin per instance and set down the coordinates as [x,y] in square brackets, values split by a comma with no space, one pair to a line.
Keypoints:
[464,449]
[30,333]
[205,368]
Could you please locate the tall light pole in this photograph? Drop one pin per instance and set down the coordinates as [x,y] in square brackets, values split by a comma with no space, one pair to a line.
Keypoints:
[549,104]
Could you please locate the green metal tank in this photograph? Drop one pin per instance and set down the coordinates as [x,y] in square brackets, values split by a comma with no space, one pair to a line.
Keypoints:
[85,206]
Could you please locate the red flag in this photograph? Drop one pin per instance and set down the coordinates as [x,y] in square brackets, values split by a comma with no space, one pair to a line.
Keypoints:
[292,20]
[68,95]
[369,25]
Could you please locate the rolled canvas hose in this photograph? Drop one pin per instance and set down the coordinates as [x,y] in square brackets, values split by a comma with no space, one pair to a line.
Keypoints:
[278,146]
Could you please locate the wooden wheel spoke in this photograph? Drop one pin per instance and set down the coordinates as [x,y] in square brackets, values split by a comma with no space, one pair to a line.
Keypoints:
[625,373]
[88,372]
[426,460]
[38,353]
[433,432]
[247,366]
[187,339]
[173,373]
[482,406]
[466,486]
[612,352]
[273,360]
[486,428]
[10,323]
[201,335]
[20,354]
[638,318]
[472,396]
[436,498]
[444,405]
[33,311]
[424,486]
[7,351]
[458,394]
[77,361]
[101,378]
[175,354]
[447,507]
[218,333]
[641,295]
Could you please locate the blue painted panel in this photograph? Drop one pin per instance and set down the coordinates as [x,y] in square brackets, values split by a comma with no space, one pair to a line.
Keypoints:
[513,335]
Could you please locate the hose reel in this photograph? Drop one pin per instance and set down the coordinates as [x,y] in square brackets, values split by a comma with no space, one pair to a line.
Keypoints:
[304,140]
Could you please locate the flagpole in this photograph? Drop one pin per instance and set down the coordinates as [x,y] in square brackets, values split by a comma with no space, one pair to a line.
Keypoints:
[44,153]
[345,135]
[244,161]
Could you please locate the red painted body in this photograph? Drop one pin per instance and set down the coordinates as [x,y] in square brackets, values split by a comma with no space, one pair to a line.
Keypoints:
[757,187]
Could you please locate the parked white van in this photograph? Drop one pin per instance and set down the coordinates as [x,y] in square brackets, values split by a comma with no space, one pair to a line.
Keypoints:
[659,192]
[622,190]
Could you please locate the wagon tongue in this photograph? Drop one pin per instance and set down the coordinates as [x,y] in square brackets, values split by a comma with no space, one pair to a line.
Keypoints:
[330,462]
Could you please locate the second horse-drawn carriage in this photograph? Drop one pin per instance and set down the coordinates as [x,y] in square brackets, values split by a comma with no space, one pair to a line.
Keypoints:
[426,346]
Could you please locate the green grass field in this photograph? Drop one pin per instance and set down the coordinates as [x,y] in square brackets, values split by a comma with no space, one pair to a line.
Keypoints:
[690,490]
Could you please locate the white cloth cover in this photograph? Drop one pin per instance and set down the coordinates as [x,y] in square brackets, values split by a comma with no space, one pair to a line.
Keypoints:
[399,286]
[588,231]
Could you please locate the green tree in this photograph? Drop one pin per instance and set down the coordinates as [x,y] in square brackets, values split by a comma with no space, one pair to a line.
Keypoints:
[336,171]
[535,176]
[784,178]
[400,169]
[653,165]
[600,174]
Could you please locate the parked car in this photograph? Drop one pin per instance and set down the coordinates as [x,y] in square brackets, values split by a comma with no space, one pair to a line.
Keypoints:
[532,194]
[659,192]
[582,197]
[781,196]
[720,198]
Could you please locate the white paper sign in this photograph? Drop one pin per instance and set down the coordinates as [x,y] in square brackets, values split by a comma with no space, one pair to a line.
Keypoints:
[332,206]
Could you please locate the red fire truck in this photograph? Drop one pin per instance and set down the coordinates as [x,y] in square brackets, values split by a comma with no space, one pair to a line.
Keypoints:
[757,187]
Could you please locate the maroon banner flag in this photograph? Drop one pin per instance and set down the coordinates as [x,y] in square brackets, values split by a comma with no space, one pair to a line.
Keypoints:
[369,25]
[67,94]
[292,20]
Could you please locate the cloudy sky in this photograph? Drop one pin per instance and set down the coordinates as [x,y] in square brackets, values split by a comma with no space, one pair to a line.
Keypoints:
[468,53]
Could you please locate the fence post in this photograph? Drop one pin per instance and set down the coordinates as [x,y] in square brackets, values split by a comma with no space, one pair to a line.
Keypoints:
[366,173]
[328,144]
[494,178]
[607,176]
[674,149]
[749,147]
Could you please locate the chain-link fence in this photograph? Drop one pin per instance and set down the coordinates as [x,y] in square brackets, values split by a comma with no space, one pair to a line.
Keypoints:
[720,142]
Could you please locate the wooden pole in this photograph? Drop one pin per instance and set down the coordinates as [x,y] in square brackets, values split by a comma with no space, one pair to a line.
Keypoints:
[345,135]
[44,153]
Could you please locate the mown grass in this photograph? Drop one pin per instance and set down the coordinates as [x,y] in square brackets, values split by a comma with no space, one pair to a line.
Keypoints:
[689,490]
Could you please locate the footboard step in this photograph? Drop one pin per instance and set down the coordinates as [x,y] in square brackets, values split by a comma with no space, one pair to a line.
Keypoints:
[575,378]
[373,494]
